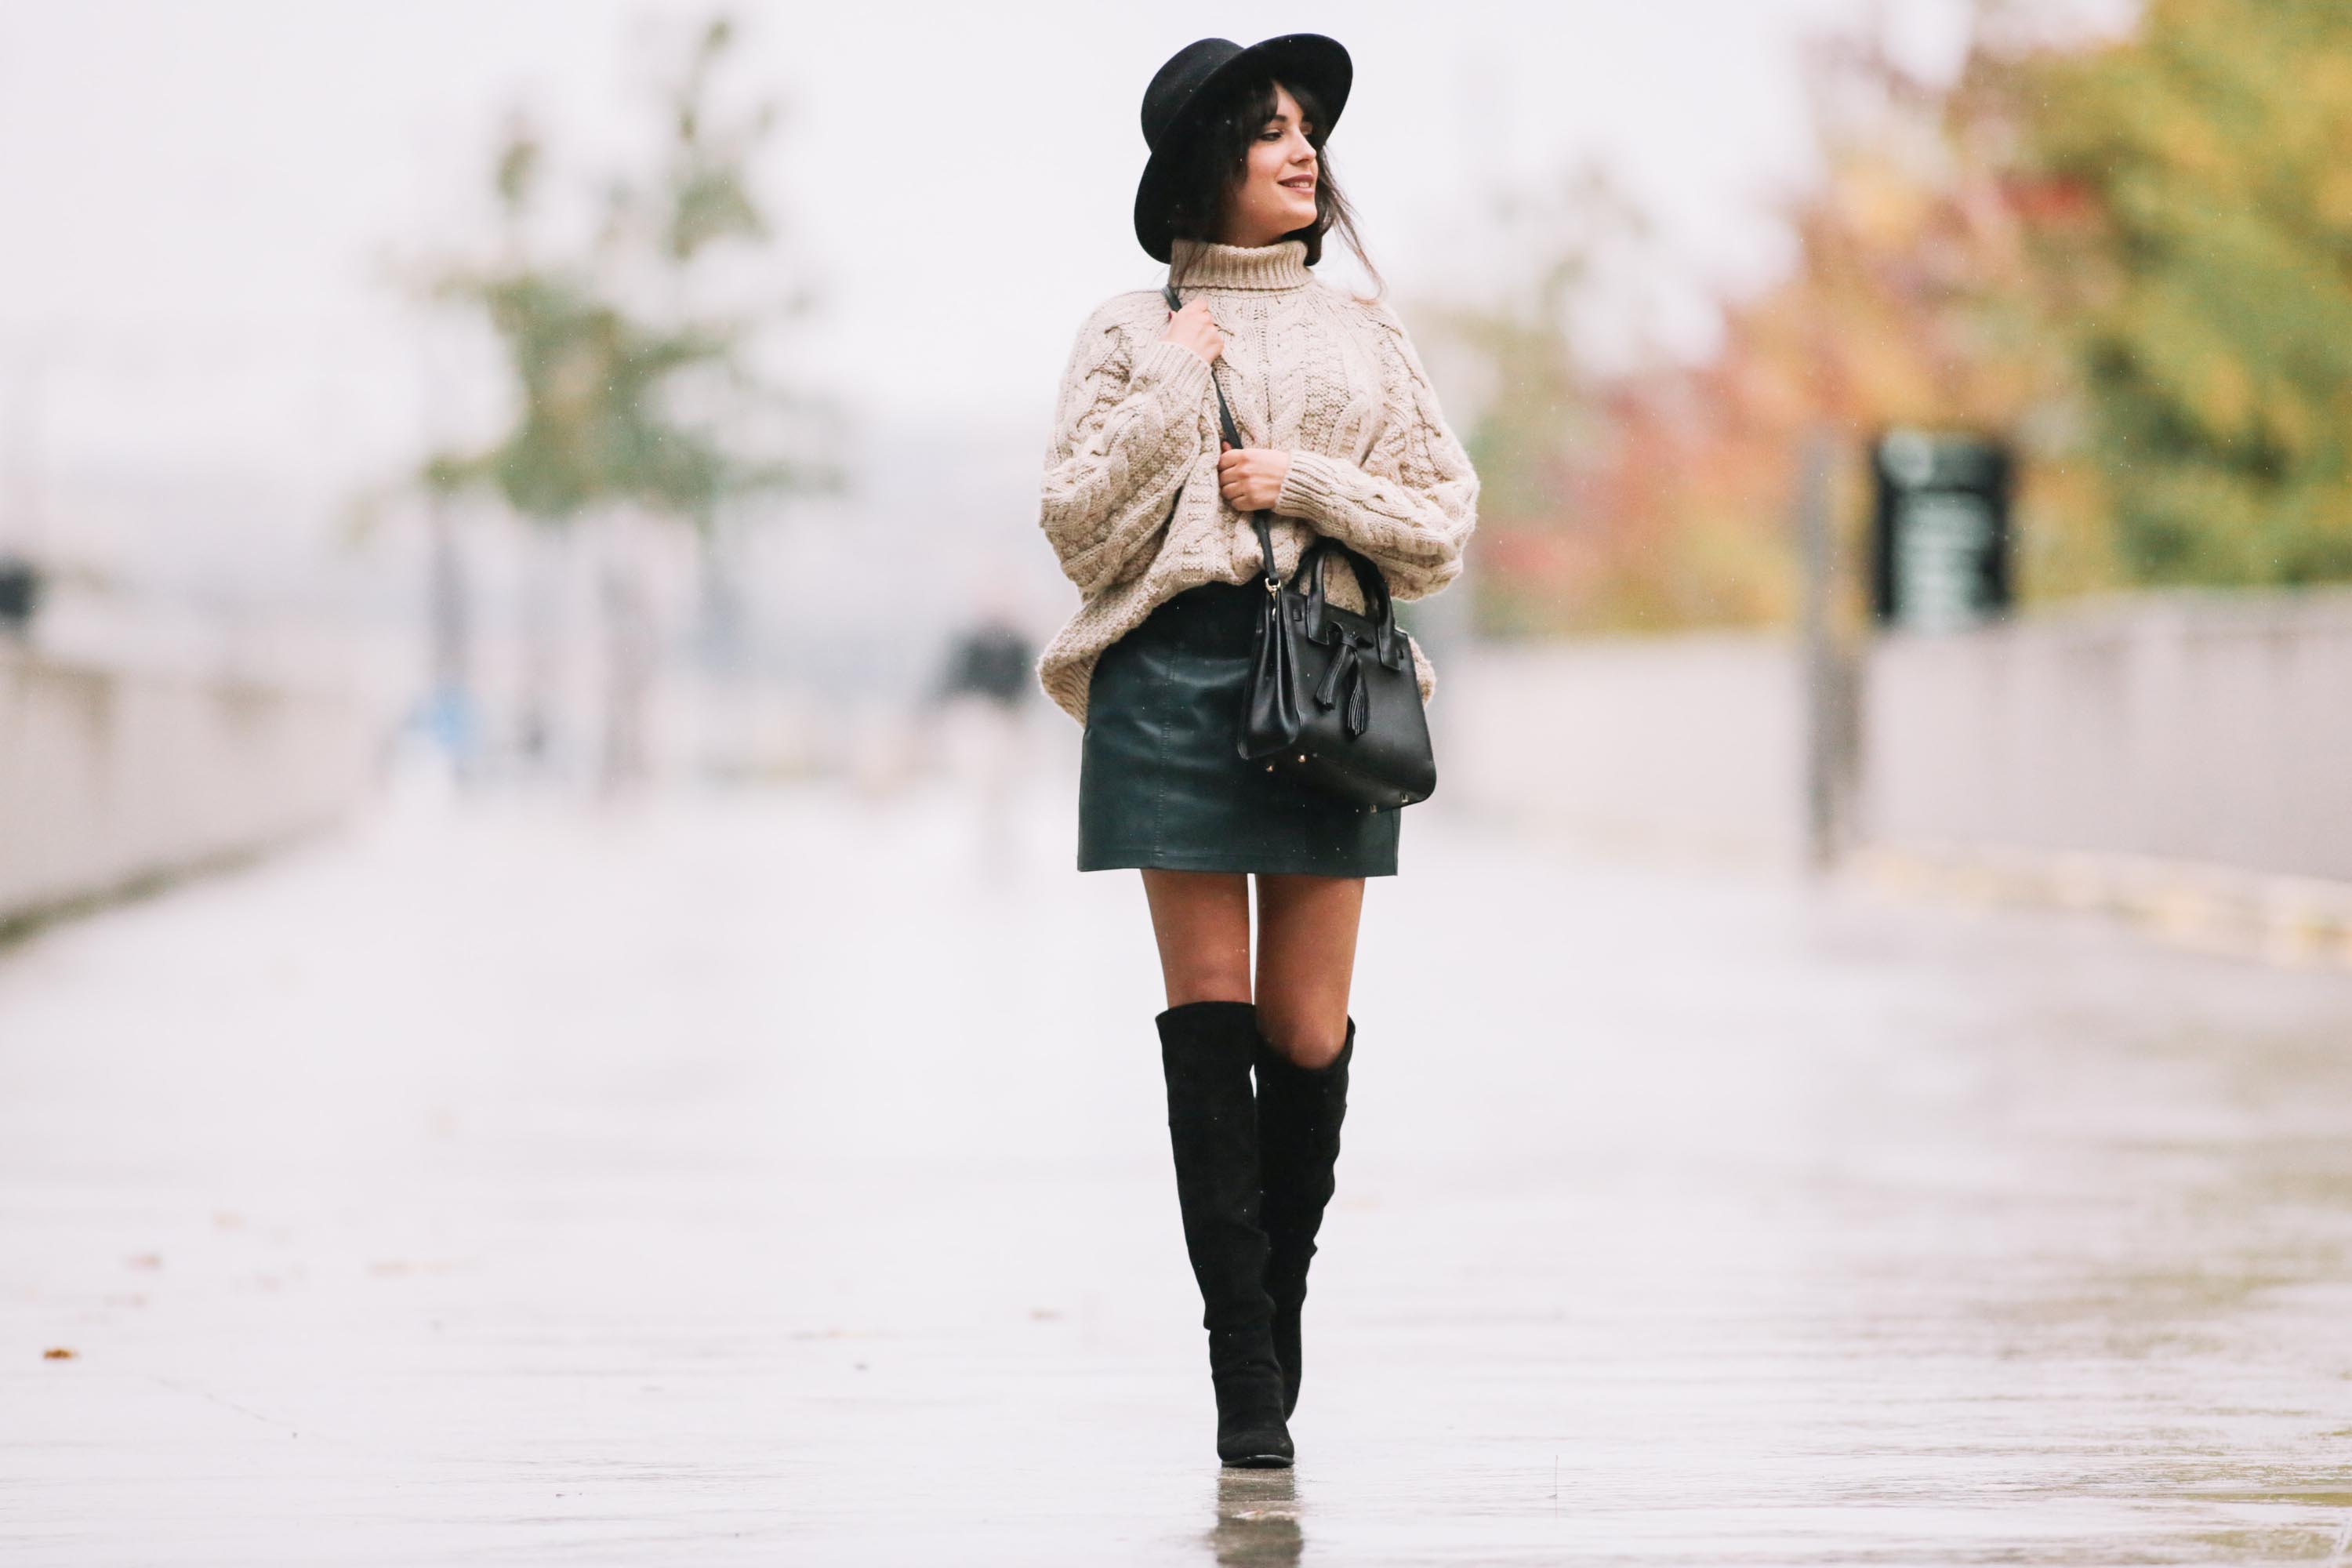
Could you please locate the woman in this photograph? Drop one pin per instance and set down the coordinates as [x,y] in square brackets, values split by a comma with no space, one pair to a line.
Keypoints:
[1150,520]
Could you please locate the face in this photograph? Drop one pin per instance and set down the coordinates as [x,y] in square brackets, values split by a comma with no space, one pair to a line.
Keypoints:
[1278,189]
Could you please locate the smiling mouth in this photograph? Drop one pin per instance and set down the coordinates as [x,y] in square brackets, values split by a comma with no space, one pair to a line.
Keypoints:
[1300,185]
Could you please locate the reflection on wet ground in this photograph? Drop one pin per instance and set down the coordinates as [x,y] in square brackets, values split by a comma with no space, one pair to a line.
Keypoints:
[763,1180]
[1257,1519]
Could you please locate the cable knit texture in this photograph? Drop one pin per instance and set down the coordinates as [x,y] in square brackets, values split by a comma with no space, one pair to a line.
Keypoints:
[1130,500]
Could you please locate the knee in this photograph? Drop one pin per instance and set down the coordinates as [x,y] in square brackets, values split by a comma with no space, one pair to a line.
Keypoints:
[1207,983]
[1310,1043]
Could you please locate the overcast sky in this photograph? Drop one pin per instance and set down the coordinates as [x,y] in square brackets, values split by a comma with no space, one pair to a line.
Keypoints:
[194,194]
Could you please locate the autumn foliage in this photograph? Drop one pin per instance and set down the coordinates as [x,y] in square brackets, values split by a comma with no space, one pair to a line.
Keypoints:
[2131,258]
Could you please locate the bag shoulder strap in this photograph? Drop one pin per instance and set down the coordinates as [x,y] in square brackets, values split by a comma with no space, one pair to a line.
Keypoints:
[1234,438]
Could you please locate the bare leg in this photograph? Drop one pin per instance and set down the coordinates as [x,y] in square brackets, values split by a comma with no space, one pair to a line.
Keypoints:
[1306,961]
[1201,921]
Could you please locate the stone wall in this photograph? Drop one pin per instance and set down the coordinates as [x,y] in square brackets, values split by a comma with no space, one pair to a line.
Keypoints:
[1685,745]
[114,776]
[2214,729]
[2201,729]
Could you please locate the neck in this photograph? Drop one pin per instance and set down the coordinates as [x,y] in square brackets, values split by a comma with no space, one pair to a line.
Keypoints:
[1200,264]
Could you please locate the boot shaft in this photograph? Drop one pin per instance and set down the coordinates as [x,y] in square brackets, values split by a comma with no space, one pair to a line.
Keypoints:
[1300,1112]
[1206,1051]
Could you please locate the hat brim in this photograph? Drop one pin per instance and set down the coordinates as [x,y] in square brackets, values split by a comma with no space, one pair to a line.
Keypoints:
[1315,62]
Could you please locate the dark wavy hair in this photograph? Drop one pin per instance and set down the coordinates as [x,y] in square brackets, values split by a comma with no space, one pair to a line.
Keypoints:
[1213,162]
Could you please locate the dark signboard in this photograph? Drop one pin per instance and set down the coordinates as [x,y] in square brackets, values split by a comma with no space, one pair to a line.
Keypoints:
[1940,530]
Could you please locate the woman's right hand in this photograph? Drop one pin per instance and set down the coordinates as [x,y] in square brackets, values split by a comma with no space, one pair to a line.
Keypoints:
[1192,326]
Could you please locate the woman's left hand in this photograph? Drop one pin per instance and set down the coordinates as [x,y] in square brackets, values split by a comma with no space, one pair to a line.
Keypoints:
[1249,478]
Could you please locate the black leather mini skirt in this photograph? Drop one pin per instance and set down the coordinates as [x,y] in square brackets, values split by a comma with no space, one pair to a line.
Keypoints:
[1159,784]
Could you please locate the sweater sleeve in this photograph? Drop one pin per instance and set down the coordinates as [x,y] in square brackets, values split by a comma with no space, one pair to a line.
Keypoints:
[1414,503]
[1126,433]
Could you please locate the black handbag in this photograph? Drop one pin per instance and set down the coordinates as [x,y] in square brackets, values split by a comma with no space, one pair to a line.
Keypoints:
[1333,697]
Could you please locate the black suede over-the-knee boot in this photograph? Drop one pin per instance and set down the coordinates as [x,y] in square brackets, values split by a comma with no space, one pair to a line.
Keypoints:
[1205,1050]
[1298,1115]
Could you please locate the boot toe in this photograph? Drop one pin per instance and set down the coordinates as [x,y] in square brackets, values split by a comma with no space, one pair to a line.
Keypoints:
[1257,1447]
[1268,1459]
[1251,1431]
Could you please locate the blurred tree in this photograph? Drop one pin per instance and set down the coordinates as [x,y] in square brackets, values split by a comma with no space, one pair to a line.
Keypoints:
[1915,301]
[634,397]
[2129,257]
[591,427]
[2196,240]
[1657,496]
[1533,411]
[1589,516]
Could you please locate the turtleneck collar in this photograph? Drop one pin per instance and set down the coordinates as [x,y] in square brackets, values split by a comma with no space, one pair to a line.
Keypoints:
[1282,264]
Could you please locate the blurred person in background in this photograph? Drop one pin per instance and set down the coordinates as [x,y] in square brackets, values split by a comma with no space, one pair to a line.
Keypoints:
[982,695]
[1149,518]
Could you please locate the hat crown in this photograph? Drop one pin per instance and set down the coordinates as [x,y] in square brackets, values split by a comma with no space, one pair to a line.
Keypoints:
[1174,83]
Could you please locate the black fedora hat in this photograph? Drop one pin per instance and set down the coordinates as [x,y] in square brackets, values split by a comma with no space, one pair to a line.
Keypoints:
[1189,81]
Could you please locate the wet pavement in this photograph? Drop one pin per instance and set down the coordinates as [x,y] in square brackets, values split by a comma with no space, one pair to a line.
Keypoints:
[768,1180]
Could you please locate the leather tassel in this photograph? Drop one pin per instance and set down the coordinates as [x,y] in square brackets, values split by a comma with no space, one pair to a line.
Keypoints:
[1327,692]
[1359,702]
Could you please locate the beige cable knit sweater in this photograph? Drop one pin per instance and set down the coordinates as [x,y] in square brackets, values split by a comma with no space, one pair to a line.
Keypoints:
[1130,500]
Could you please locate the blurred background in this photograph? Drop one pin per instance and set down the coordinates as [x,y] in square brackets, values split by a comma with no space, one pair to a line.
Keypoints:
[518,518]
[1905,426]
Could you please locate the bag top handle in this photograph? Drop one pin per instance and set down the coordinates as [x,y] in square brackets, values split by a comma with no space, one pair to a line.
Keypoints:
[1380,606]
